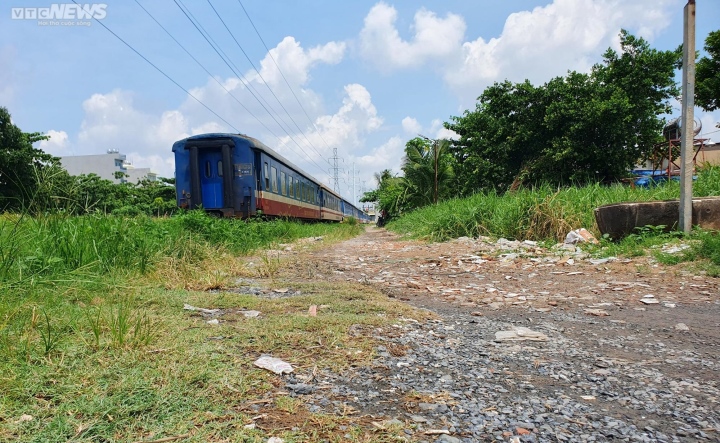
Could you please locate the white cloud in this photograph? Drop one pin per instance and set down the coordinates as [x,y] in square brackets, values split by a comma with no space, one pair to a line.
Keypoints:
[296,62]
[112,122]
[550,40]
[57,145]
[385,156]
[434,37]
[537,45]
[411,126]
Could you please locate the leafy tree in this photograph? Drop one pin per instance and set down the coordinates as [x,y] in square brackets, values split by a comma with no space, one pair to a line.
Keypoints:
[573,129]
[20,164]
[428,171]
[707,75]
[390,195]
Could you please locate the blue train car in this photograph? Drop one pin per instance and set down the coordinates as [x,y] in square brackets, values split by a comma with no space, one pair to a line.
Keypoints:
[234,175]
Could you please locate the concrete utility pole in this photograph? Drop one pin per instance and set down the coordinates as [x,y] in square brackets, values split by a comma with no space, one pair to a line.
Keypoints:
[688,117]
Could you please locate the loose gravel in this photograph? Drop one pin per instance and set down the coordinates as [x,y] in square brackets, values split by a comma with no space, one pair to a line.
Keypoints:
[605,366]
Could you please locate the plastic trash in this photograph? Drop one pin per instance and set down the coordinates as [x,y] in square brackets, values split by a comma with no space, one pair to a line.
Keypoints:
[274,365]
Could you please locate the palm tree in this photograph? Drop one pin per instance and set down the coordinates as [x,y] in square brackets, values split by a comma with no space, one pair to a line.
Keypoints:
[428,170]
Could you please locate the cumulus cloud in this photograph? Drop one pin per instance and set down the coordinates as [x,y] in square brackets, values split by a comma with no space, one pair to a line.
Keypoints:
[537,45]
[387,155]
[548,41]
[296,62]
[345,130]
[57,145]
[411,126]
[112,121]
[435,37]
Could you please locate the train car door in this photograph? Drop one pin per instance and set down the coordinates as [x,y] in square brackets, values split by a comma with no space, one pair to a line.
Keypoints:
[211,178]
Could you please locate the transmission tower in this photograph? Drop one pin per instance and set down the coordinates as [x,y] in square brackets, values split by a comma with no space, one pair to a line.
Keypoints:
[336,171]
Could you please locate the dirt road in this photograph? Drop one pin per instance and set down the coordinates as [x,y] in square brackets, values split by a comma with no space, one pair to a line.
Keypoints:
[593,350]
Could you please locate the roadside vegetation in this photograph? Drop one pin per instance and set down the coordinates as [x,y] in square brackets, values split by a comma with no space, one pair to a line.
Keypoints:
[544,213]
[95,344]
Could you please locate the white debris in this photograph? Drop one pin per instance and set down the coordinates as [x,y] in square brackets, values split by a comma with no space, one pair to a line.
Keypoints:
[520,333]
[214,321]
[581,235]
[250,314]
[681,327]
[273,364]
[275,440]
[188,307]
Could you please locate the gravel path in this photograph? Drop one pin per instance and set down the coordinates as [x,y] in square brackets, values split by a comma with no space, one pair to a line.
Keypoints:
[604,350]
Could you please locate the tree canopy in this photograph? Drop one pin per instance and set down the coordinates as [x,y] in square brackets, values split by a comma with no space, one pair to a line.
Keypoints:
[428,171]
[707,75]
[574,129]
[20,163]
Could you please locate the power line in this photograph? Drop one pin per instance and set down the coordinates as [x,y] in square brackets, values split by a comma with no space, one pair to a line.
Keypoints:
[225,59]
[162,72]
[206,70]
[283,76]
[261,77]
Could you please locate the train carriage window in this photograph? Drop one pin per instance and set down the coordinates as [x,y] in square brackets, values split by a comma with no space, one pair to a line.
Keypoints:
[273,178]
[267,178]
[297,189]
[290,186]
[219,168]
[208,170]
[283,183]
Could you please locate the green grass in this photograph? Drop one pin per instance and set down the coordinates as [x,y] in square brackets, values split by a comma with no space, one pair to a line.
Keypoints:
[95,344]
[542,214]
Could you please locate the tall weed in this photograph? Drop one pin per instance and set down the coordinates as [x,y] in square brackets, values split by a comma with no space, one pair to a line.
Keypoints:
[540,213]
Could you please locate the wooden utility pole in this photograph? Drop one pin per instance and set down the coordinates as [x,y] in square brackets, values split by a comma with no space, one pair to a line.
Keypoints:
[688,121]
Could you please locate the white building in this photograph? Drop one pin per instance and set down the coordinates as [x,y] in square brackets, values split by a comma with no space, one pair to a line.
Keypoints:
[110,166]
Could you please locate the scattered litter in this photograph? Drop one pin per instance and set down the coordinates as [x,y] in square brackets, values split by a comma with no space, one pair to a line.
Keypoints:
[476,314]
[273,364]
[681,327]
[250,314]
[597,312]
[522,431]
[520,333]
[437,432]
[275,440]
[281,290]
[24,418]
[312,311]
[674,249]
[188,307]
[581,235]
[669,305]
[601,261]
[214,321]
[650,300]
[587,397]
[249,426]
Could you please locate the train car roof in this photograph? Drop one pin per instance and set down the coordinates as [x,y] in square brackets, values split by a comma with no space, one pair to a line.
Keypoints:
[257,144]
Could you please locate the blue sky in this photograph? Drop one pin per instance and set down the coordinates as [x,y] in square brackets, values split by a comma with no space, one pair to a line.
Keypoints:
[370,75]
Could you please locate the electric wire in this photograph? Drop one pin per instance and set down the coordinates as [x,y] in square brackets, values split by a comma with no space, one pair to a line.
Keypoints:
[262,78]
[206,70]
[282,74]
[196,23]
[162,72]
